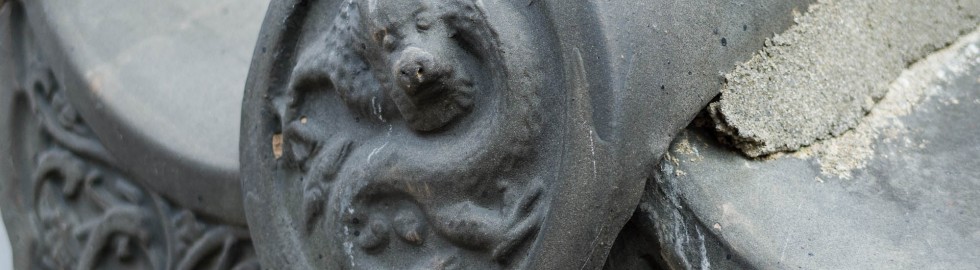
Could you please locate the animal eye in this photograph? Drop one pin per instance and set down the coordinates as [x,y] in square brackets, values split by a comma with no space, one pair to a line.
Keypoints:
[466,41]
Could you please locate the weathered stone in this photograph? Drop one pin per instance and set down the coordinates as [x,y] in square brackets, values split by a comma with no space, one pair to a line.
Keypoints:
[67,201]
[376,134]
[912,202]
[471,134]
[814,81]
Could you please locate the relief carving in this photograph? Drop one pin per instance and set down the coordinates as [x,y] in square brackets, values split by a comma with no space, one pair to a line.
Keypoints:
[88,215]
[436,134]
[404,131]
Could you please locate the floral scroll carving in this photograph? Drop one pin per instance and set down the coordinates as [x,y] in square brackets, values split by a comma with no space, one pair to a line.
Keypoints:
[89,215]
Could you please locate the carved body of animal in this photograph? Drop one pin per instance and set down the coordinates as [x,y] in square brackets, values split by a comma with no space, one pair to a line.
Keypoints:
[412,69]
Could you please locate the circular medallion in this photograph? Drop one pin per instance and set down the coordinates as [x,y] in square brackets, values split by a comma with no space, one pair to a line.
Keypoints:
[424,134]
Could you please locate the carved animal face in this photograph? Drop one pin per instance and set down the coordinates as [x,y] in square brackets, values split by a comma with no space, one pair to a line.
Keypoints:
[418,58]
[412,136]
[427,125]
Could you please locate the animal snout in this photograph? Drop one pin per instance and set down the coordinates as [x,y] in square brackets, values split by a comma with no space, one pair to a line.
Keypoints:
[419,72]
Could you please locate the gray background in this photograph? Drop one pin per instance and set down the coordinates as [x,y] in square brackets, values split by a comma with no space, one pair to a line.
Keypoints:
[6,262]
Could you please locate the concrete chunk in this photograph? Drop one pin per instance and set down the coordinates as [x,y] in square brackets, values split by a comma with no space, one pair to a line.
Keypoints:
[817,79]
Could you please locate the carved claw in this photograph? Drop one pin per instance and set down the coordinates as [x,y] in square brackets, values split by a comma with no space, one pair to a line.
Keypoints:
[314,201]
[517,234]
[315,184]
[409,228]
[469,225]
[374,236]
[300,144]
[525,220]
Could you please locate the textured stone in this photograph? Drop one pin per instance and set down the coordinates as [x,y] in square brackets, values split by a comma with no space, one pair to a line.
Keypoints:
[913,204]
[473,134]
[817,79]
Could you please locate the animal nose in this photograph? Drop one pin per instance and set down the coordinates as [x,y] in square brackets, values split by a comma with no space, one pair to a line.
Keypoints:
[416,69]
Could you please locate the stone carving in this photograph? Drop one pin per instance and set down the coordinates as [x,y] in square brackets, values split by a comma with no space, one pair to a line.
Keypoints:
[377,134]
[385,66]
[404,131]
[88,215]
[465,134]
[410,69]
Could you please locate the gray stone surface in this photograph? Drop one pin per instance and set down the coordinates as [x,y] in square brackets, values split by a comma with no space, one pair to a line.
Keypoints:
[161,83]
[816,80]
[6,255]
[914,202]
[488,154]
[68,202]
[473,134]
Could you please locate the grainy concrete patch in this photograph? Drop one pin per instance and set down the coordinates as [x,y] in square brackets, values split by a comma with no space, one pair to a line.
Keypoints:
[840,155]
[820,77]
